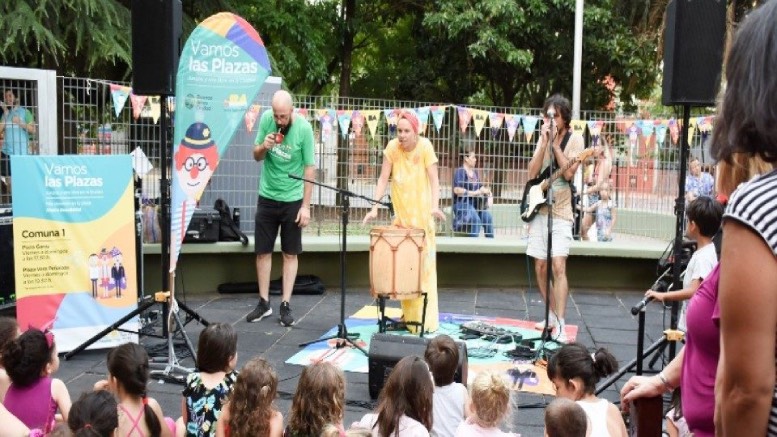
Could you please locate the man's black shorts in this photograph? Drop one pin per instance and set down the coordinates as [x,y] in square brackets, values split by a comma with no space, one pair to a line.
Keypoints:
[5,165]
[271,214]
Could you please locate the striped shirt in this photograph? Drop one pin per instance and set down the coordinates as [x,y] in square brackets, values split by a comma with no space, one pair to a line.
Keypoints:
[754,205]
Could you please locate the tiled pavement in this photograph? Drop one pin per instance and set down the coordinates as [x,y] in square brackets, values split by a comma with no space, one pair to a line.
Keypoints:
[603,319]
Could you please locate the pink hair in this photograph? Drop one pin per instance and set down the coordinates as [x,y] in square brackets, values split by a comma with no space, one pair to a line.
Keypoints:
[411,118]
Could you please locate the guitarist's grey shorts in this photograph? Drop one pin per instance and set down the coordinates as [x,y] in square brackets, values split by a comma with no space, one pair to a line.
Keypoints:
[537,246]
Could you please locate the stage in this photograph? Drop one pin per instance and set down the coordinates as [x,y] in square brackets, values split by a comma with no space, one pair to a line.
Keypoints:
[602,317]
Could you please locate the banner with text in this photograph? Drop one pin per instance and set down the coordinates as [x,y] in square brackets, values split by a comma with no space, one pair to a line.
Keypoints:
[223,65]
[74,246]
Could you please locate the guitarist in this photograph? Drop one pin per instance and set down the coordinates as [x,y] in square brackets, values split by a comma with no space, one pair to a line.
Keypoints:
[566,145]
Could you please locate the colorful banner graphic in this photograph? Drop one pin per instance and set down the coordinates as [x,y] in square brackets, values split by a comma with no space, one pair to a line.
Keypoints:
[222,67]
[74,251]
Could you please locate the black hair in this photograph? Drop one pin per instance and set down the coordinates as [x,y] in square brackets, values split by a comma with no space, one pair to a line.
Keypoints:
[442,356]
[25,358]
[8,331]
[128,363]
[216,347]
[562,106]
[747,114]
[707,213]
[574,361]
[94,414]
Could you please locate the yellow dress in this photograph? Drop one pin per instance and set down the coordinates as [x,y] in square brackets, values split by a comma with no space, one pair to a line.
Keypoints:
[411,194]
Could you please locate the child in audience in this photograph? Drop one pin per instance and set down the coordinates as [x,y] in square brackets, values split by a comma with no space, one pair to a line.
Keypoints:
[94,414]
[318,401]
[139,415]
[606,213]
[9,330]
[34,396]
[450,398]
[704,215]
[207,390]
[405,403]
[250,411]
[574,373]
[490,407]
[565,418]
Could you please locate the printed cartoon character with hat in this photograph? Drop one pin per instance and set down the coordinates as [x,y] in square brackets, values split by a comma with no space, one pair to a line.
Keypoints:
[196,160]
[118,276]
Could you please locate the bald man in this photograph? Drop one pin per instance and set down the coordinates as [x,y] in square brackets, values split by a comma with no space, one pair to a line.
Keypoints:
[285,143]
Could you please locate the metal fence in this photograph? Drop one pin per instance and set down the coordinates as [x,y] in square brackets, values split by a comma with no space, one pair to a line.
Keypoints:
[644,176]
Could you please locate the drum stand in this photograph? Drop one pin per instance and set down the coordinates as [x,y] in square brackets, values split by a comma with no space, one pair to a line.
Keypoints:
[343,338]
[388,324]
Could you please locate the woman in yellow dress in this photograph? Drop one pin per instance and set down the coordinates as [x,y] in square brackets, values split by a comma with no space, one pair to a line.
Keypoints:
[415,192]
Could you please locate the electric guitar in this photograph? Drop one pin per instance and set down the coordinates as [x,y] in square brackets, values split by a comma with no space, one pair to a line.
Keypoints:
[534,192]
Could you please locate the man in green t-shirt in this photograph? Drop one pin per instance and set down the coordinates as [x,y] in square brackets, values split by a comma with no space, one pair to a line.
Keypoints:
[285,143]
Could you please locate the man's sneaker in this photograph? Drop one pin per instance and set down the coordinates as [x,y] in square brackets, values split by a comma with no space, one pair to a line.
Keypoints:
[286,318]
[560,334]
[262,310]
[539,326]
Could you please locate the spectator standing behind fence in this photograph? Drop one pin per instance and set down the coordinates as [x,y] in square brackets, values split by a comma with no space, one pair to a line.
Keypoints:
[605,212]
[411,163]
[17,124]
[745,386]
[471,199]
[697,183]
[598,180]
[566,145]
[285,143]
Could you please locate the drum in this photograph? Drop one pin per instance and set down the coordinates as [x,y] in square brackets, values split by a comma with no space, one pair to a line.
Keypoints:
[395,262]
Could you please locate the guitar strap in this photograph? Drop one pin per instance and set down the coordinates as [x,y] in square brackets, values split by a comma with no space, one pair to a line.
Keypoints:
[546,173]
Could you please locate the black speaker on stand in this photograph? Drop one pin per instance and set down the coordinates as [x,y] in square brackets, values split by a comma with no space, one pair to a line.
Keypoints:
[694,37]
[386,350]
[156,45]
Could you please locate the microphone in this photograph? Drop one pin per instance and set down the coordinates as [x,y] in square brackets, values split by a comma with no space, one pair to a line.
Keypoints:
[551,113]
[390,206]
[642,304]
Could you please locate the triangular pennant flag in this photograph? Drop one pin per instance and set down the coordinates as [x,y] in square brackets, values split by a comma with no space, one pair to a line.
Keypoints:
[251,115]
[326,119]
[595,129]
[661,134]
[705,127]
[529,125]
[578,126]
[303,112]
[344,118]
[423,118]
[391,116]
[119,96]
[372,116]
[464,117]
[512,121]
[674,131]
[137,104]
[203,133]
[357,122]
[495,120]
[633,135]
[438,114]
[479,118]
[691,130]
[647,127]
[156,108]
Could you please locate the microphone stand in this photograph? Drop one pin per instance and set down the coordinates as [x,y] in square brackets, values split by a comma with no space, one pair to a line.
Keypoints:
[343,337]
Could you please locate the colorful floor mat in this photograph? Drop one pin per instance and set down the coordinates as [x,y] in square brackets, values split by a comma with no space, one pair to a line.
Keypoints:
[484,353]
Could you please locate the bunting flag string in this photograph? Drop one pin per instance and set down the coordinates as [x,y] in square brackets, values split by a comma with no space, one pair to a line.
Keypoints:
[578,126]
[495,120]
[423,118]
[372,117]
[138,102]
[529,125]
[357,123]
[661,134]
[119,96]
[344,119]
[438,114]
[595,129]
[464,117]
[155,108]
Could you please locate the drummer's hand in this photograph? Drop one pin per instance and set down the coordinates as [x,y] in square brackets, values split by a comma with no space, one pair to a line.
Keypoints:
[437,213]
[373,214]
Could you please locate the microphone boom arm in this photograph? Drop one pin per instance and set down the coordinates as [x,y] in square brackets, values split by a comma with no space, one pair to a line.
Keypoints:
[347,193]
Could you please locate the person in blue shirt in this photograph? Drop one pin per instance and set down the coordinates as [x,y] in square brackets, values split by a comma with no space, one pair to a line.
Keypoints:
[471,200]
[16,125]
[697,183]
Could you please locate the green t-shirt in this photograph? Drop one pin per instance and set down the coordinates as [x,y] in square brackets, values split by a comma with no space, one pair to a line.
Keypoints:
[289,157]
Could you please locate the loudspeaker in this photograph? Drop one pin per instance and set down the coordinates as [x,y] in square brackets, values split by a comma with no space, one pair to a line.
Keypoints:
[386,350]
[7,275]
[156,45]
[693,51]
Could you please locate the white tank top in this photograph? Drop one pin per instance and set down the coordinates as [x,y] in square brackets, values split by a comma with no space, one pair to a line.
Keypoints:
[597,414]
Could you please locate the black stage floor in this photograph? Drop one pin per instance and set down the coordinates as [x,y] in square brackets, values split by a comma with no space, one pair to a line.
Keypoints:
[603,317]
